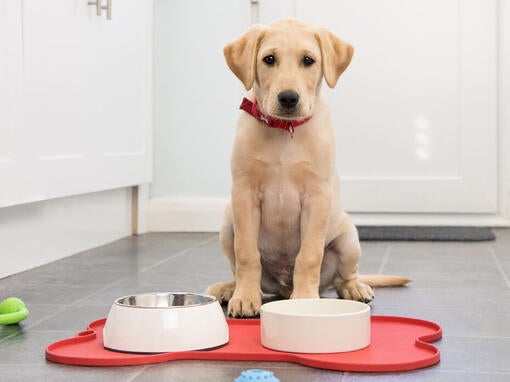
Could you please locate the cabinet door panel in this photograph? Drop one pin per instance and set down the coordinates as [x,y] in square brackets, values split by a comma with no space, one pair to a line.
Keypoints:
[415,113]
[10,79]
[85,106]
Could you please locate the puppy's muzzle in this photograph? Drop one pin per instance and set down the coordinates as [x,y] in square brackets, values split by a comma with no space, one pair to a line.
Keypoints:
[288,99]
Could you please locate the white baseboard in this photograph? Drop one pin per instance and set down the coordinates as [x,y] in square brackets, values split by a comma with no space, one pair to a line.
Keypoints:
[446,220]
[185,214]
[205,214]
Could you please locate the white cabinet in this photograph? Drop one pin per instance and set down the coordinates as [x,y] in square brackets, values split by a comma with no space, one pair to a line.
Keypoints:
[10,79]
[80,117]
[415,113]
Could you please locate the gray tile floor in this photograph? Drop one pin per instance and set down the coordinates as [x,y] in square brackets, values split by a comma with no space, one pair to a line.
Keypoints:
[464,287]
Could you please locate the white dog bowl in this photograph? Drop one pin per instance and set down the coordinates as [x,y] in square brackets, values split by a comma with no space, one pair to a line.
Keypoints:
[315,325]
[165,322]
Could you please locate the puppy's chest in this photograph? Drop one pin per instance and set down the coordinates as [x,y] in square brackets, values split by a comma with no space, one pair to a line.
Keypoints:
[284,168]
[282,184]
[281,196]
[281,191]
[280,205]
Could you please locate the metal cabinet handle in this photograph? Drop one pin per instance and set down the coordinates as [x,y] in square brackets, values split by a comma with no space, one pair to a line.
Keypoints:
[100,7]
[97,3]
[108,9]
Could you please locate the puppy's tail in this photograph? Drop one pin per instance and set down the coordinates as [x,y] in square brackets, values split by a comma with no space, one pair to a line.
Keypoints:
[384,280]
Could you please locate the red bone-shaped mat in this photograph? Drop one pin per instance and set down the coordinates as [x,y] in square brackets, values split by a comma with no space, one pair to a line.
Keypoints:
[397,343]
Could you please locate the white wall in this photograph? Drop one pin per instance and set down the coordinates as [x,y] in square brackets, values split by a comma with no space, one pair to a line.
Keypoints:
[193,132]
[37,233]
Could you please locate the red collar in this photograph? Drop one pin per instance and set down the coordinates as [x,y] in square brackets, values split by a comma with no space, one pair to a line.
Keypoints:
[253,109]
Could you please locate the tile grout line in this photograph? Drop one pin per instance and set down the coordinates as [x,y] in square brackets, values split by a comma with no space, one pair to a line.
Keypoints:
[138,373]
[384,260]
[76,302]
[500,267]
[474,372]
[484,337]
[142,270]
[178,254]
[65,307]
[34,324]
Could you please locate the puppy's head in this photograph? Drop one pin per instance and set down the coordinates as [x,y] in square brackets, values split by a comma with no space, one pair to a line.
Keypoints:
[285,62]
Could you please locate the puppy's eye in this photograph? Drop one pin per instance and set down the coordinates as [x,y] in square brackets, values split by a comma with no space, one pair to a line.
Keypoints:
[269,60]
[308,61]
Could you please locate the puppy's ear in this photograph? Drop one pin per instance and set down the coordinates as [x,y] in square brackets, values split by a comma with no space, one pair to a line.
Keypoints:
[241,55]
[336,55]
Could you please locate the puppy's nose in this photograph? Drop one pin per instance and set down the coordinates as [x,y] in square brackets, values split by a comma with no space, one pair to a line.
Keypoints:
[288,99]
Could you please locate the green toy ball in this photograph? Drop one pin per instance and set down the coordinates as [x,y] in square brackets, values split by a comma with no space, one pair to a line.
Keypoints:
[12,311]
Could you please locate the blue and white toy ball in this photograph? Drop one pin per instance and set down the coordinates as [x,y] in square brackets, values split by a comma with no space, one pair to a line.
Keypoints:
[255,375]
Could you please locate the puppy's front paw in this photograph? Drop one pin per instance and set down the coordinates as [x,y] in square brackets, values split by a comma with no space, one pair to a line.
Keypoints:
[245,304]
[222,291]
[355,290]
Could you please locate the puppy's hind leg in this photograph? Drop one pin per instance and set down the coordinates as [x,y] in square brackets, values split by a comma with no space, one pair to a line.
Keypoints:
[223,291]
[348,249]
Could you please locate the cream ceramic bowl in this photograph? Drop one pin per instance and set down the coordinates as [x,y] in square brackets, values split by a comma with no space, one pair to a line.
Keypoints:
[315,325]
[165,322]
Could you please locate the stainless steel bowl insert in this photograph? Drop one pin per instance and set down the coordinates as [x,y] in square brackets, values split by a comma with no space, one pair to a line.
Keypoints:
[164,300]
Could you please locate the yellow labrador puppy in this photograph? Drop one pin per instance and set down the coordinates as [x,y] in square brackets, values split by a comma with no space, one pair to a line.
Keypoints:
[285,232]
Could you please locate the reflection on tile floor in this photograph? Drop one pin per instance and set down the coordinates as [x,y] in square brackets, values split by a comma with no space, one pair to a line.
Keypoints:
[465,287]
